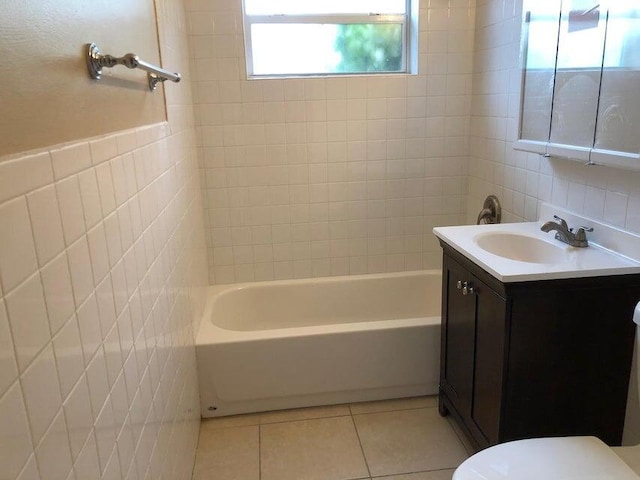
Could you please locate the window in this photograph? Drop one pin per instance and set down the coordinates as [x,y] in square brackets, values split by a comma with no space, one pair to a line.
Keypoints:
[328,37]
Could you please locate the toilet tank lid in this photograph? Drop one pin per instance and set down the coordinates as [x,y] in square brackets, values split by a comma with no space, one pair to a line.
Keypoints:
[636,314]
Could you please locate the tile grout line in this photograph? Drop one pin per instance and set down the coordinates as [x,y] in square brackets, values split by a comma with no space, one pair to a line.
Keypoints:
[411,473]
[259,452]
[259,424]
[364,456]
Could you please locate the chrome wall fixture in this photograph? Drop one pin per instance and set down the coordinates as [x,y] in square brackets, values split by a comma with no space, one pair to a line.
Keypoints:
[96,62]
[491,211]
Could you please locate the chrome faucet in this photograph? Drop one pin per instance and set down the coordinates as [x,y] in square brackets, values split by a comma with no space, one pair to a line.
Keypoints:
[566,234]
[491,210]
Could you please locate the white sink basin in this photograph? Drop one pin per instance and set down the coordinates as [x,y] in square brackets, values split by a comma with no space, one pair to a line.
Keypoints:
[522,248]
[516,252]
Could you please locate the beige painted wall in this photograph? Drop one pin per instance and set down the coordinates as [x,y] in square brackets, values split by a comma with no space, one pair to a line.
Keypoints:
[47,96]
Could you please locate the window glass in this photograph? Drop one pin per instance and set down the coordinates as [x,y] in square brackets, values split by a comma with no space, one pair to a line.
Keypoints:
[329,37]
[326,48]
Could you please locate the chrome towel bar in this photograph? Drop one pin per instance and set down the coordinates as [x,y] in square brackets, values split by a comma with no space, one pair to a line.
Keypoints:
[96,62]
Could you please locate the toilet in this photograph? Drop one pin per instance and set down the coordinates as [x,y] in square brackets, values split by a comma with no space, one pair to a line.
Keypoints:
[562,458]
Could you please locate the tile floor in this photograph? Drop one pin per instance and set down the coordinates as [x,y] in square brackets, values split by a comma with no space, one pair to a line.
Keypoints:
[404,439]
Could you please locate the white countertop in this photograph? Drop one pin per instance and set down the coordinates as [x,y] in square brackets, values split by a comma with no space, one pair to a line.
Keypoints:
[592,261]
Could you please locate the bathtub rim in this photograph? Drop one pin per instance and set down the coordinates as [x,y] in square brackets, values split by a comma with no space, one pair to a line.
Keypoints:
[210,333]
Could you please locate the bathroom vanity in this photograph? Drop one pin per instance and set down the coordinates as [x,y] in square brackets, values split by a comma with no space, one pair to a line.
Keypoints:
[534,349]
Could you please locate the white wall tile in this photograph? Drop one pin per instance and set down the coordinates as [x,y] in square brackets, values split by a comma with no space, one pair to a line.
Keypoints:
[119,401]
[112,469]
[70,159]
[105,434]
[71,212]
[103,149]
[78,415]
[114,243]
[125,448]
[90,197]
[92,177]
[67,348]
[113,354]
[633,213]
[615,208]
[364,121]
[46,223]
[119,282]
[8,367]
[119,180]
[58,293]
[98,382]
[105,187]
[106,305]
[80,269]
[30,470]
[28,320]
[97,240]
[53,454]
[89,325]
[17,249]
[41,393]
[87,465]
[23,175]
[15,436]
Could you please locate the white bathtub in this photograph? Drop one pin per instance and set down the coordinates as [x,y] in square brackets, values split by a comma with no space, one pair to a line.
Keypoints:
[297,343]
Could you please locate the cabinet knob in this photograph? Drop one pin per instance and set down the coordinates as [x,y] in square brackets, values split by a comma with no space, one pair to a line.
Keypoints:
[467,288]
[459,285]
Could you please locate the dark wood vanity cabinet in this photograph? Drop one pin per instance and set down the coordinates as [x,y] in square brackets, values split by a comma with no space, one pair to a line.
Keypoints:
[535,359]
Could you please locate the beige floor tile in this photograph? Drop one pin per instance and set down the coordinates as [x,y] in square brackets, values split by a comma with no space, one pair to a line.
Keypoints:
[228,454]
[320,449]
[435,475]
[408,441]
[210,424]
[304,414]
[395,404]
[461,436]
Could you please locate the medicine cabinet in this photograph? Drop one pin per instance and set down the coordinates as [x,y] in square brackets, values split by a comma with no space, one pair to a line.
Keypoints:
[580,92]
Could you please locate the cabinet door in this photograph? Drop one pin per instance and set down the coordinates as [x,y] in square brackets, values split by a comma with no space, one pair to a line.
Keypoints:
[490,347]
[459,339]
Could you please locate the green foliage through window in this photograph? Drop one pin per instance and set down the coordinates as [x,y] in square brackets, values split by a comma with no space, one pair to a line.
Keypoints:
[369,47]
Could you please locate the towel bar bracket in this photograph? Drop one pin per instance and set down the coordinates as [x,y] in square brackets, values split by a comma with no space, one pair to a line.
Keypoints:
[97,61]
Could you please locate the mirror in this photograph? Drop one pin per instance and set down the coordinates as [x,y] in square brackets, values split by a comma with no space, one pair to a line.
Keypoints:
[578,70]
[619,110]
[540,37]
[580,94]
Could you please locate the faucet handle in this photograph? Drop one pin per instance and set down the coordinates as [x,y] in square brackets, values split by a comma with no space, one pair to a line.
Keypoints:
[562,221]
[581,233]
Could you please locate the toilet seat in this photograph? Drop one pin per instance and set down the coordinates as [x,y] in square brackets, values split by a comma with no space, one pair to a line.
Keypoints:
[563,458]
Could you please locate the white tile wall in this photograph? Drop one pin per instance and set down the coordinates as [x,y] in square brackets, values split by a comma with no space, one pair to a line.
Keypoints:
[522,180]
[330,176]
[101,273]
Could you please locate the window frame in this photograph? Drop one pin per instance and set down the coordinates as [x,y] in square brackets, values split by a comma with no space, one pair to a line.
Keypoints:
[408,21]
